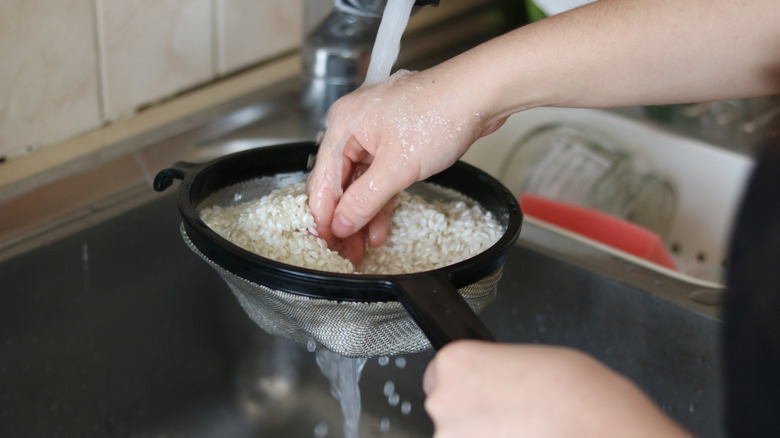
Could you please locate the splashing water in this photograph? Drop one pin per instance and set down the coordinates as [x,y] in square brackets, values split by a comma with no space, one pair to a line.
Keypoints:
[344,375]
[321,430]
[389,388]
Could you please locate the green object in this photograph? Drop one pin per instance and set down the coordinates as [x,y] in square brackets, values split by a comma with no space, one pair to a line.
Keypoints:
[662,113]
[533,11]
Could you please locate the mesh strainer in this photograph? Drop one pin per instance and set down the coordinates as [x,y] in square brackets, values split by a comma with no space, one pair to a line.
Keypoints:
[350,314]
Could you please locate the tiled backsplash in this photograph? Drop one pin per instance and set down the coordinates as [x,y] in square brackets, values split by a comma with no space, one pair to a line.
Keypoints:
[69,66]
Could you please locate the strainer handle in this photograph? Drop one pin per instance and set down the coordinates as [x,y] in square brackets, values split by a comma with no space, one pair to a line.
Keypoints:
[178,170]
[440,310]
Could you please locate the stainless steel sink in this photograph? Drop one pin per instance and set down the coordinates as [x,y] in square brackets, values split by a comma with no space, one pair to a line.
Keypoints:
[117,329]
[109,326]
[120,330]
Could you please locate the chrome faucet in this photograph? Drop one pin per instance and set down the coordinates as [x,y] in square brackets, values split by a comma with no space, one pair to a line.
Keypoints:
[337,51]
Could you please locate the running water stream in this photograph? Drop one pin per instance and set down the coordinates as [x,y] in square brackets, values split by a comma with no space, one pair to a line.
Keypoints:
[388,40]
[344,375]
[343,372]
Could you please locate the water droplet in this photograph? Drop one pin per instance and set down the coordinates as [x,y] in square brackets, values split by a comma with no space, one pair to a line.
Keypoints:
[691,409]
[384,424]
[400,362]
[406,407]
[311,345]
[85,256]
[389,388]
[393,399]
[384,360]
[321,430]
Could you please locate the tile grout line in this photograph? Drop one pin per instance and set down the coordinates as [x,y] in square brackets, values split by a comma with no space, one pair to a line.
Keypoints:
[102,74]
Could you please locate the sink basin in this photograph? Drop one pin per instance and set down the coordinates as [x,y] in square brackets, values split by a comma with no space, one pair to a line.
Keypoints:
[119,330]
[110,326]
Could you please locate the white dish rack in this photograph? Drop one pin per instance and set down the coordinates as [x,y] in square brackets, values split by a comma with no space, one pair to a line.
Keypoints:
[708,182]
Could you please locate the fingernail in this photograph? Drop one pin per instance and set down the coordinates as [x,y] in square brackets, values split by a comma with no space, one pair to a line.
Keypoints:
[341,226]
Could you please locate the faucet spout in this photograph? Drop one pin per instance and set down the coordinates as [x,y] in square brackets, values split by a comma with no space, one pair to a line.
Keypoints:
[336,54]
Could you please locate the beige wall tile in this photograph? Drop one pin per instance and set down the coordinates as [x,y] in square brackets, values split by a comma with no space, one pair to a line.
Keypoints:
[152,49]
[249,31]
[48,72]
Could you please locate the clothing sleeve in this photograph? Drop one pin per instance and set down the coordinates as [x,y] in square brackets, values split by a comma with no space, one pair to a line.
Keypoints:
[751,335]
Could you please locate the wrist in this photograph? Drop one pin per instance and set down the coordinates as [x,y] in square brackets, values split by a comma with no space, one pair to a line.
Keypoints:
[498,79]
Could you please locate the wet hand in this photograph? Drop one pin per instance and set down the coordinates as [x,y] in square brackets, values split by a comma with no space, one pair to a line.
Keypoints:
[380,139]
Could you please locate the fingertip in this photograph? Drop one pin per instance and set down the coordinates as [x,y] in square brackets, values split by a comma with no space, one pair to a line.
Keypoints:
[353,248]
[430,377]
[363,200]
[341,226]
[322,202]
[322,226]
[377,232]
[323,232]
[380,224]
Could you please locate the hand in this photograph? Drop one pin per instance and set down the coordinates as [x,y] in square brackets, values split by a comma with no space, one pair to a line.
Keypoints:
[380,139]
[479,389]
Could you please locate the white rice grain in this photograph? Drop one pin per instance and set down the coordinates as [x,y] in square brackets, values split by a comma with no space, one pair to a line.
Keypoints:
[422,235]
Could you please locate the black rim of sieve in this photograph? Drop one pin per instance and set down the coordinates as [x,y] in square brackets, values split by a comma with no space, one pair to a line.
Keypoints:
[198,181]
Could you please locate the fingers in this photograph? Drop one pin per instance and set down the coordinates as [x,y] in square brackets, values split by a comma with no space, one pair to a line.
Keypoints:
[354,247]
[381,139]
[326,180]
[450,384]
[380,224]
[440,364]
[367,196]
[456,359]
[322,202]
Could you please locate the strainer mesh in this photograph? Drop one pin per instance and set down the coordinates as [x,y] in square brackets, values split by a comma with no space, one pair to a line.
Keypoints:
[348,328]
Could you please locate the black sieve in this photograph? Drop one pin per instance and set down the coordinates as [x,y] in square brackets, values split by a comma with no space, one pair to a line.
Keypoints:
[352,314]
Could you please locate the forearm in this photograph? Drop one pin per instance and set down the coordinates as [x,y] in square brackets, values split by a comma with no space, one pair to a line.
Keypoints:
[627,52]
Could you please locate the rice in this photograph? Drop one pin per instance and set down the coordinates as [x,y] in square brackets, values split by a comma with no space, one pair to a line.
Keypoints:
[423,235]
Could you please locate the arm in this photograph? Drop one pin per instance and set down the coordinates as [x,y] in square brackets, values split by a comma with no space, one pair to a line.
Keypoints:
[607,53]
[622,53]
[485,389]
